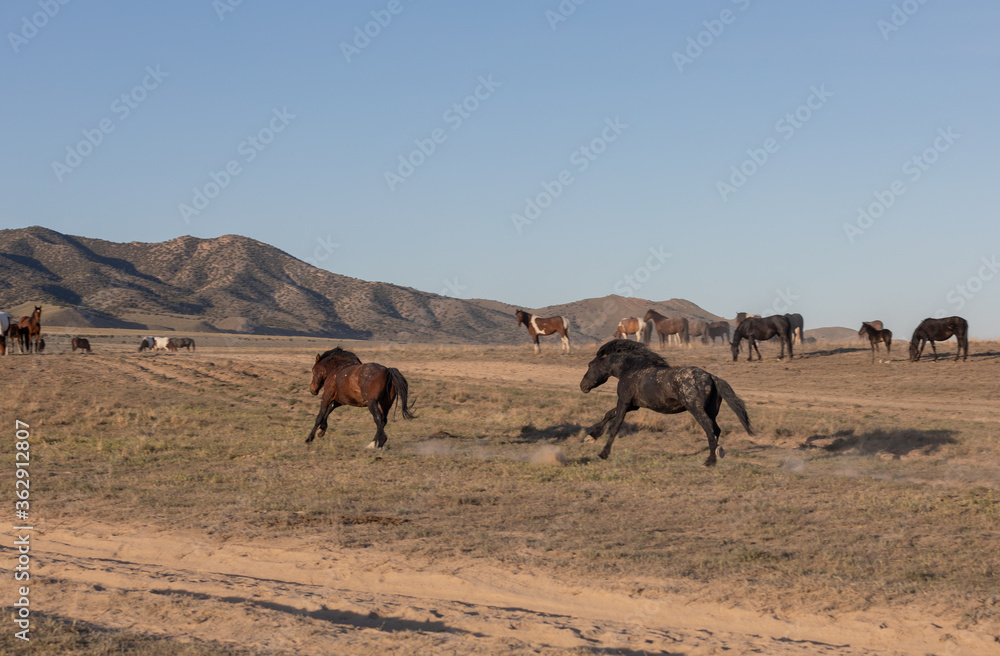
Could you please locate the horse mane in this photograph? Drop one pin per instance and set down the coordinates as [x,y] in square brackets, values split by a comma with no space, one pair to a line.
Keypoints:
[340,353]
[635,349]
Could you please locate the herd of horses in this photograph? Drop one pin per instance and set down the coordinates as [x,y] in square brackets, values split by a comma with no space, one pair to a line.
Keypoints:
[26,333]
[166,344]
[645,379]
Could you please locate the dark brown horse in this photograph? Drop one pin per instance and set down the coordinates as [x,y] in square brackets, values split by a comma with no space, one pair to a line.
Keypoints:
[544,326]
[82,344]
[752,329]
[719,329]
[665,326]
[346,381]
[33,324]
[630,326]
[876,336]
[184,342]
[645,380]
[936,330]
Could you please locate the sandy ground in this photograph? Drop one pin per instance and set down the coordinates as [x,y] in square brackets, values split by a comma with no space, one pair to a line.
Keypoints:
[302,597]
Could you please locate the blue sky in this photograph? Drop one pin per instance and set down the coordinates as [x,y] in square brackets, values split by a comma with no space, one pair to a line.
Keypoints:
[533,152]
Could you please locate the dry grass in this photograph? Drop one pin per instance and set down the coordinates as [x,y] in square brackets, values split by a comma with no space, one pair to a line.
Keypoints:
[866,484]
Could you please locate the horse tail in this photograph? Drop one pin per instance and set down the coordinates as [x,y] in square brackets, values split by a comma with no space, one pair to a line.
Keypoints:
[735,403]
[399,386]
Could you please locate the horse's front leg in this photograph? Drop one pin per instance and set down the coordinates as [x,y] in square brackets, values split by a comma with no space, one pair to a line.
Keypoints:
[934,348]
[538,349]
[326,406]
[598,428]
[620,411]
[751,345]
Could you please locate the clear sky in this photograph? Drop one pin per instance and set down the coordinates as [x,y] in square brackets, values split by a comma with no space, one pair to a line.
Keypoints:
[534,152]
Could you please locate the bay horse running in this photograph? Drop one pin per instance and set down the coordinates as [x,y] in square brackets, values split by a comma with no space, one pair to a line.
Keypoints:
[754,328]
[544,326]
[344,380]
[33,325]
[630,326]
[936,330]
[645,380]
[81,343]
[665,326]
[876,336]
[719,329]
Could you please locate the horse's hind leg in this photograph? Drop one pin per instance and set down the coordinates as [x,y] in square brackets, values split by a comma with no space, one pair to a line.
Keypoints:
[379,440]
[707,421]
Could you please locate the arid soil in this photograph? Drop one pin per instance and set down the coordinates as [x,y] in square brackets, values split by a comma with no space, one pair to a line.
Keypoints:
[174,499]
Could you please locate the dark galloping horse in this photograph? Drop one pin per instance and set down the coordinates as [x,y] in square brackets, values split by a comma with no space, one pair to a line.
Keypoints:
[876,336]
[33,326]
[645,380]
[81,343]
[665,326]
[719,329]
[936,330]
[544,326]
[346,381]
[752,329]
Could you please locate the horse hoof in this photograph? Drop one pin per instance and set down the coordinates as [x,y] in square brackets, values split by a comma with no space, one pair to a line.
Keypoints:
[722,452]
[710,462]
[603,455]
[371,445]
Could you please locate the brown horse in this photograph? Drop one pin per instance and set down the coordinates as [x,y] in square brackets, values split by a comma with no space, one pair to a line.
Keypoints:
[33,325]
[936,330]
[876,336]
[544,326]
[630,326]
[346,381]
[665,326]
[754,328]
[697,328]
[82,344]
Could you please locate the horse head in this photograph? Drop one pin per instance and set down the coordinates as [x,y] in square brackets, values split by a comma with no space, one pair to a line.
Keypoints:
[522,317]
[597,374]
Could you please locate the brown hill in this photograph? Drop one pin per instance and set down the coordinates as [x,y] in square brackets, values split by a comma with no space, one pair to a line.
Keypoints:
[236,284]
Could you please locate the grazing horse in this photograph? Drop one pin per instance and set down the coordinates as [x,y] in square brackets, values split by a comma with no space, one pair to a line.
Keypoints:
[184,342]
[719,329]
[630,326]
[664,327]
[935,330]
[752,329]
[797,326]
[346,381]
[33,325]
[876,336]
[645,380]
[544,326]
[82,344]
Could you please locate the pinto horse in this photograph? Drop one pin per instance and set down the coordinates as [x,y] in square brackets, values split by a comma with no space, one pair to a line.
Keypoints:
[630,326]
[876,336]
[665,326]
[936,330]
[754,328]
[81,343]
[33,326]
[645,380]
[346,381]
[544,326]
